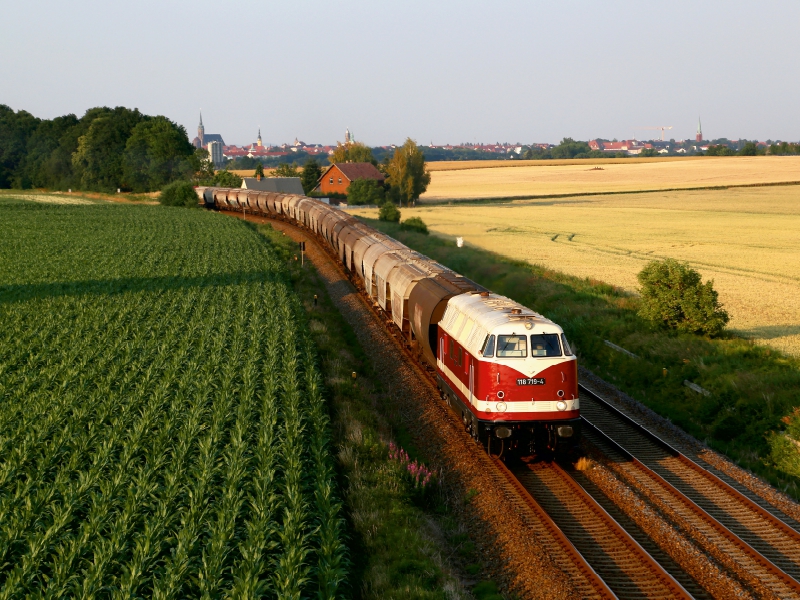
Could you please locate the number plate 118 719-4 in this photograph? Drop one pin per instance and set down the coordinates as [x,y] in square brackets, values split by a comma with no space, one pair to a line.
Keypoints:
[531,381]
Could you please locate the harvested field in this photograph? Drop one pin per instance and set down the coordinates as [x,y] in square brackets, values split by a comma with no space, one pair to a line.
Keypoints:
[53,199]
[464,181]
[460,165]
[747,240]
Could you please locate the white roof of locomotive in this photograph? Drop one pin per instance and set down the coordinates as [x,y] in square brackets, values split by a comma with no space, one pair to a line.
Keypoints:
[469,318]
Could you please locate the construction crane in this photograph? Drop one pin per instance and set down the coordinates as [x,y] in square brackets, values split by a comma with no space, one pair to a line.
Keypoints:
[661,128]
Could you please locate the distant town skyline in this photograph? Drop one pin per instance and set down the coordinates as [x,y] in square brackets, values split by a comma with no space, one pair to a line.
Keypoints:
[349,136]
[445,72]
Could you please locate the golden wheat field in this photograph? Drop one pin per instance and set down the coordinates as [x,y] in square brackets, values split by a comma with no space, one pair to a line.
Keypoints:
[747,240]
[460,165]
[473,180]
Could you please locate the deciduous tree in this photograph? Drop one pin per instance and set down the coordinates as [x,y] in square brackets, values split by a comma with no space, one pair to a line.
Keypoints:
[225,178]
[285,170]
[749,149]
[366,191]
[157,152]
[352,152]
[408,173]
[310,176]
[98,160]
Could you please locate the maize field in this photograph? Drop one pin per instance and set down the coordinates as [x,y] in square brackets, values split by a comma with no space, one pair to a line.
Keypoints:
[163,432]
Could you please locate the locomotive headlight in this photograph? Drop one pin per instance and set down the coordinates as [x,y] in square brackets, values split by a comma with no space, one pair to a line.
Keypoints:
[501,407]
[561,405]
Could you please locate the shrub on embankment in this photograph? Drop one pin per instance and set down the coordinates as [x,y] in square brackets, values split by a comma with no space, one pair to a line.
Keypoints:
[179,193]
[674,296]
[414,224]
[752,387]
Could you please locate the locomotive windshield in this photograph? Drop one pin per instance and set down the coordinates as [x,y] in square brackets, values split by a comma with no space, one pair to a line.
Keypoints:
[567,349]
[512,346]
[545,344]
[488,346]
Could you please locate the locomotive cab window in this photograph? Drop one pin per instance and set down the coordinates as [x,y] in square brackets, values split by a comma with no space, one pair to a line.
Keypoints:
[565,343]
[488,346]
[545,344]
[512,346]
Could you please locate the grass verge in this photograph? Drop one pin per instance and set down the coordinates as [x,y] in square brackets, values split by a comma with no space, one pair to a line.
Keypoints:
[753,389]
[405,541]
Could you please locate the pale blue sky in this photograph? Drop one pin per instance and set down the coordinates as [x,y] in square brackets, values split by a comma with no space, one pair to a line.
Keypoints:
[436,71]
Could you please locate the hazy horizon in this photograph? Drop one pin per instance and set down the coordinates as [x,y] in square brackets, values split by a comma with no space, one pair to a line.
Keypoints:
[443,73]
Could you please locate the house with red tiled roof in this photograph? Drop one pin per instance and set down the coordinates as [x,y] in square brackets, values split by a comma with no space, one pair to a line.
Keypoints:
[337,178]
[627,146]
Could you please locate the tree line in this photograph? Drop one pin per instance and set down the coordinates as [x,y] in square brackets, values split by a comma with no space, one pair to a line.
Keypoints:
[104,150]
[753,149]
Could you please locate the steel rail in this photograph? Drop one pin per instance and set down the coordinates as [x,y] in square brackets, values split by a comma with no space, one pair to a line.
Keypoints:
[788,537]
[626,567]
[573,562]
[692,464]
[578,561]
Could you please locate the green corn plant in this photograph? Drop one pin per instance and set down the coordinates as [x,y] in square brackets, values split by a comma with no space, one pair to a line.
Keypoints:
[160,438]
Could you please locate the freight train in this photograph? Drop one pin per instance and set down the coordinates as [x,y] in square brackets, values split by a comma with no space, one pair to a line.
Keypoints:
[506,371]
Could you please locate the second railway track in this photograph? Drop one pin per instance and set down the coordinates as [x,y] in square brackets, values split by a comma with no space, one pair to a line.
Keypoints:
[758,547]
[626,567]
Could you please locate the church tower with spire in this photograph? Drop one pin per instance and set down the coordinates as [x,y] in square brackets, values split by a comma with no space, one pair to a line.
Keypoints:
[201,131]
[203,139]
[699,136]
[259,143]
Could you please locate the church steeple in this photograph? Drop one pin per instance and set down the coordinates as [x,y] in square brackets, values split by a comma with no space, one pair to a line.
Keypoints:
[259,138]
[201,130]
[699,136]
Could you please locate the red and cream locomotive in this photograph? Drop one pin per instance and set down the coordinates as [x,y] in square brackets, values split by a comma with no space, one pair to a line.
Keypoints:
[509,372]
[506,371]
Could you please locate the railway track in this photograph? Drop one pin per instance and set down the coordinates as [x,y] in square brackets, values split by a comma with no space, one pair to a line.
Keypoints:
[758,547]
[622,563]
[600,557]
[539,526]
